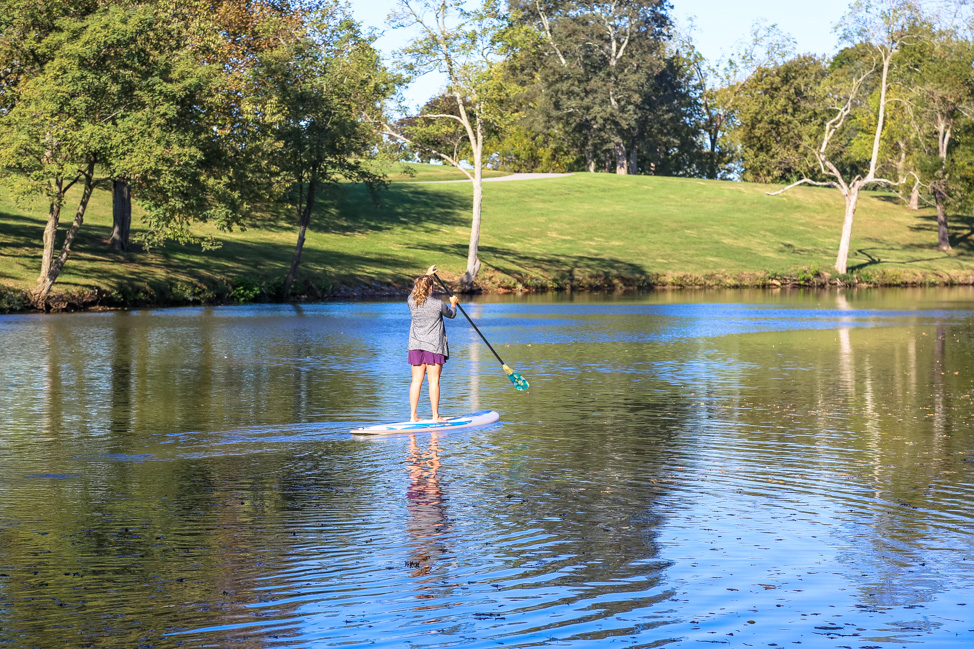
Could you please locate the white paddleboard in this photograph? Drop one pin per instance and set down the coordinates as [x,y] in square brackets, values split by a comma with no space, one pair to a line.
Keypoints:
[479,418]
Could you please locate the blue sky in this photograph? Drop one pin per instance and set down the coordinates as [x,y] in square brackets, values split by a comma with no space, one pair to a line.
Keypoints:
[719,25]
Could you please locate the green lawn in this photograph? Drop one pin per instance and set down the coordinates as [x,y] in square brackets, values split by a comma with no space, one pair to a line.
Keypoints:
[592,228]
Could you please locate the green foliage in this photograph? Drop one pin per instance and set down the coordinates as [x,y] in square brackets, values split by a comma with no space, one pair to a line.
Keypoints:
[311,93]
[942,100]
[520,149]
[592,67]
[808,274]
[468,47]
[11,299]
[189,293]
[669,144]
[779,115]
[126,89]
[719,87]
[245,289]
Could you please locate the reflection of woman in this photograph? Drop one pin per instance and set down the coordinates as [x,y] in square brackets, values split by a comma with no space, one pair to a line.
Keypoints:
[426,506]
[428,349]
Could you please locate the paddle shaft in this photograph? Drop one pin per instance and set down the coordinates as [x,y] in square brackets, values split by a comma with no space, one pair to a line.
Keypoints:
[445,288]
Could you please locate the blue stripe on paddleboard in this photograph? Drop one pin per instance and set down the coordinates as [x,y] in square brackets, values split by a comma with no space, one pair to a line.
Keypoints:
[453,422]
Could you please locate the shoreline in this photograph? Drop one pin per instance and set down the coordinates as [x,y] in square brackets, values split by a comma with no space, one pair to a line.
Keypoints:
[15,300]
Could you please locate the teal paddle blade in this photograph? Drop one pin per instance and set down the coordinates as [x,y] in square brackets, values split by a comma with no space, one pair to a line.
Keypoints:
[519,381]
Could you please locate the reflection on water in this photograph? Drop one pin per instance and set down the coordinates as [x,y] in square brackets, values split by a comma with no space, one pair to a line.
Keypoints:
[688,468]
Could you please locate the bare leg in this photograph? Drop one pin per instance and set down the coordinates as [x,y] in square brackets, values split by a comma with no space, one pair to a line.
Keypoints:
[433,381]
[414,389]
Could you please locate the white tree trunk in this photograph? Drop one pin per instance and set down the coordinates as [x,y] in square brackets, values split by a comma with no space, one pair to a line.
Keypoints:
[842,259]
[915,196]
[473,262]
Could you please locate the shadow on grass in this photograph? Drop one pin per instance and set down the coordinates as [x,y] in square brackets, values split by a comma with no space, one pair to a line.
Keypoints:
[350,209]
[94,262]
[23,236]
[870,261]
[565,266]
[888,198]
[961,232]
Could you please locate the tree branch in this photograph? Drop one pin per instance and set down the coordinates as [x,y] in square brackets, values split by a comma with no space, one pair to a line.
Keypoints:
[388,130]
[803,181]
[444,116]
[547,31]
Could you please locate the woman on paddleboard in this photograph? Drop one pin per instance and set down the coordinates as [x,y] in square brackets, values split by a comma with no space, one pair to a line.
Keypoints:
[428,349]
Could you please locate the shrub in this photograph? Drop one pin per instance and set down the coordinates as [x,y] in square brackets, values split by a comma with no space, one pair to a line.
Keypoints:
[11,299]
[244,289]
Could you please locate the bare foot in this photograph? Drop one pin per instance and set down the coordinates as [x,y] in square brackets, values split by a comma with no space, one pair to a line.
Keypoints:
[438,419]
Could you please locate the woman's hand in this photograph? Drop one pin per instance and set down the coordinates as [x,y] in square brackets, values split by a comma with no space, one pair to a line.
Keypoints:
[431,270]
[453,301]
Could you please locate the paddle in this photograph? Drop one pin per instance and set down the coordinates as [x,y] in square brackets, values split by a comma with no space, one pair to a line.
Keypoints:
[519,381]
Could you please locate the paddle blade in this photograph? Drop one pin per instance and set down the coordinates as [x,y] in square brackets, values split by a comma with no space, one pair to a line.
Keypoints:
[519,381]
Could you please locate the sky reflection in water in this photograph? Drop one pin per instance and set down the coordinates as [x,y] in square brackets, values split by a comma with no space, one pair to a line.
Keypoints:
[687,469]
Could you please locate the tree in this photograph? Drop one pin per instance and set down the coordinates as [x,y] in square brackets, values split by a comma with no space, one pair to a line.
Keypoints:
[466,47]
[596,62]
[720,86]
[775,116]
[942,97]
[222,170]
[875,33]
[312,91]
[90,84]
[145,93]
[669,134]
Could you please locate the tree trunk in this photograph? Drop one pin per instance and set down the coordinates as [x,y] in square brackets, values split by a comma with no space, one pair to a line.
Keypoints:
[121,214]
[622,168]
[943,237]
[852,193]
[842,259]
[915,195]
[473,262]
[940,187]
[52,268]
[50,230]
[304,220]
[633,157]
[589,154]
[712,157]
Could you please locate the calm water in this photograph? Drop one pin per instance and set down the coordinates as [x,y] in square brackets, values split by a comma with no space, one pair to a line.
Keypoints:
[744,469]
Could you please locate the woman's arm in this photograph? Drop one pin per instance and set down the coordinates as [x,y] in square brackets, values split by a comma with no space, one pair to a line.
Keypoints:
[451,310]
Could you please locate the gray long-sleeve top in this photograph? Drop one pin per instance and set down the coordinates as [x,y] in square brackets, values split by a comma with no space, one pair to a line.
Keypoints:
[427,331]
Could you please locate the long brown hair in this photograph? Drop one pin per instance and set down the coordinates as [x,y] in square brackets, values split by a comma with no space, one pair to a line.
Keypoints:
[422,289]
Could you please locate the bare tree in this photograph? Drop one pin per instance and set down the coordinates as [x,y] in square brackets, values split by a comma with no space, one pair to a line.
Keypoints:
[463,45]
[879,26]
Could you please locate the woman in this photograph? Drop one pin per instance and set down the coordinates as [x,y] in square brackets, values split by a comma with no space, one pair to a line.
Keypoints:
[428,349]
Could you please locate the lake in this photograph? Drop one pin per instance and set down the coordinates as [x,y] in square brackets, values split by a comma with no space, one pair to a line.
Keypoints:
[742,468]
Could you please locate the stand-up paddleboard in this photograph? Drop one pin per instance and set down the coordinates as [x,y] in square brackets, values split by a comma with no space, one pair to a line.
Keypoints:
[479,418]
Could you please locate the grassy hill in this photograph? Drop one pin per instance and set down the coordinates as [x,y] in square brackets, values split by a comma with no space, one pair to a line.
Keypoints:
[587,230]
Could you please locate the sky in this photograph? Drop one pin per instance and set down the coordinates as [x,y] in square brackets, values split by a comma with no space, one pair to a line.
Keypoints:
[719,25]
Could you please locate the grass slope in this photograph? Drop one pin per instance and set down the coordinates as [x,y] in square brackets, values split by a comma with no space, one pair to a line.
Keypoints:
[585,230]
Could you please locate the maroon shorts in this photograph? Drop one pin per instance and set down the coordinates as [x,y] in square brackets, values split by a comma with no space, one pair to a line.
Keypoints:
[420,357]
